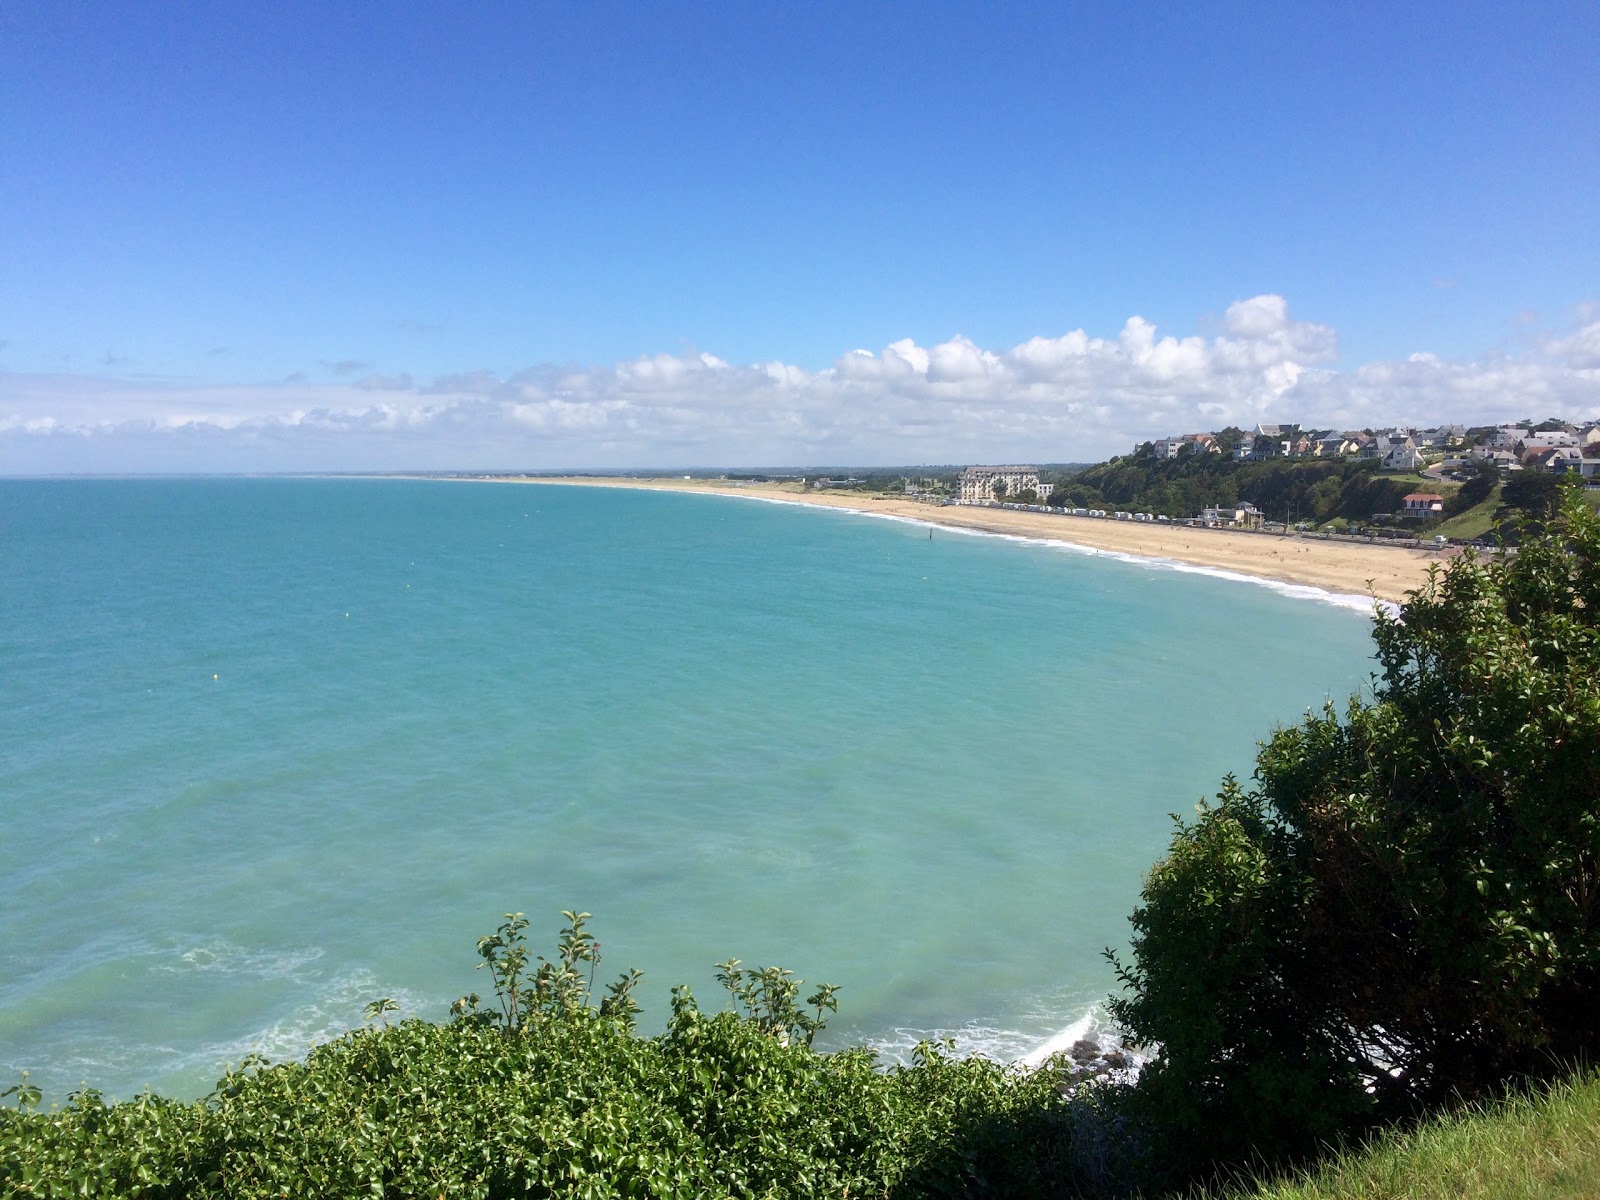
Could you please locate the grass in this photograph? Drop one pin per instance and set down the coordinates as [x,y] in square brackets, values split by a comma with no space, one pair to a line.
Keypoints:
[1442,487]
[1544,1146]
[1476,521]
[1479,521]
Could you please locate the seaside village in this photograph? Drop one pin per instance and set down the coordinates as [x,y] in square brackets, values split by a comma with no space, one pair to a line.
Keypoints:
[1450,452]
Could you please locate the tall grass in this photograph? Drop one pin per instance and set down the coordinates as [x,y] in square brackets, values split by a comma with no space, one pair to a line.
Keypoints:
[1544,1145]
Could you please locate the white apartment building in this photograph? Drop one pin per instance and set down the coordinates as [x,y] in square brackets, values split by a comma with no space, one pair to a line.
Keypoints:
[977,483]
[1549,440]
[1167,447]
[1508,436]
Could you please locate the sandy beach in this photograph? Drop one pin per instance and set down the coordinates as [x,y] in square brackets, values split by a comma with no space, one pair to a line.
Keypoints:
[1349,568]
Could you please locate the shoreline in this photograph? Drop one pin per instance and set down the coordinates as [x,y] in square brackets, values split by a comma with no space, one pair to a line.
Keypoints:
[1361,571]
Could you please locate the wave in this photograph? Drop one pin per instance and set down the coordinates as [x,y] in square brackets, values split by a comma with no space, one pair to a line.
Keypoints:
[1062,1041]
[1294,591]
[333,1011]
[1013,1047]
[220,956]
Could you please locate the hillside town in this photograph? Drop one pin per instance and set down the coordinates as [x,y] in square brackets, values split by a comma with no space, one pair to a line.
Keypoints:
[1551,445]
[1437,461]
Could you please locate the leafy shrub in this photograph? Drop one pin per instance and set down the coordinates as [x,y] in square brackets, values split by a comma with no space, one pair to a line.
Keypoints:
[1405,907]
[1479,487]
[549,1094]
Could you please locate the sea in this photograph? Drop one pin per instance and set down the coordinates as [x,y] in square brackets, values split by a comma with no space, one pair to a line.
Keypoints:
[271,749]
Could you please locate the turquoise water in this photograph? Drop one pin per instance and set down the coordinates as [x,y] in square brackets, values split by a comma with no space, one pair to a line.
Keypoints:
[270,749]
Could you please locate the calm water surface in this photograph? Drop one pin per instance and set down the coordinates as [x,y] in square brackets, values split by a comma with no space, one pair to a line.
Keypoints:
[270,749]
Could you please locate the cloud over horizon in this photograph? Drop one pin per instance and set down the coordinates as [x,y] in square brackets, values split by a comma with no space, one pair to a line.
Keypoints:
[1073,397]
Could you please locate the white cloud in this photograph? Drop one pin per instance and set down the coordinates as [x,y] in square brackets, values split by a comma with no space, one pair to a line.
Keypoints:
[1581,351]
[1067,397]
[1259,316]
[959,361]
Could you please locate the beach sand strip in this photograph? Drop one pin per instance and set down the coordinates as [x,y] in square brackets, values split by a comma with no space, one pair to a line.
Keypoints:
[1344,567]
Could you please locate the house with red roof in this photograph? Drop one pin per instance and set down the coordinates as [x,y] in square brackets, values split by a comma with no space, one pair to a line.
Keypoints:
[1423,504]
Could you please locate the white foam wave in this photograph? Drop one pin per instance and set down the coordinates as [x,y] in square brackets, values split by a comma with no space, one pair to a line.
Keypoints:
[1294,591]
[1061,1042]
[223,957]
[975,1039]
[332,1012]
[979,1039]
[331,1009]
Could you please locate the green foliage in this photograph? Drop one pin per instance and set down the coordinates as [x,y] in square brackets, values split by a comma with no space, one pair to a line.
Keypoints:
[1476,522]
[554,1096]
[1405,907]
[555,987]
[1536,1145]
[27,1095]
[1531,493]
[1478,487]
[1073,494]
[1306,489]
[1364,494]
[767,996]
[380,1009]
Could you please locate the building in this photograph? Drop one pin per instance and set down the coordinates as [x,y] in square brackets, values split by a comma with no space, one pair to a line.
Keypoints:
[1237,516]
[1171,447]
[1550,440]
[1441,438]
[1554,458]
[978,483]
[1423,504]
[1402,457]
[1271,440]
[1507,436]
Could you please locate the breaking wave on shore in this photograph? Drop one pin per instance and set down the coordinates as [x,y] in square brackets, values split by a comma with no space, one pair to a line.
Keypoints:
[1295,591]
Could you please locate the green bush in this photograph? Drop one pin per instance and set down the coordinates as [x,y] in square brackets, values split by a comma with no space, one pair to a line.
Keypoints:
[552,1095]
[1405,907]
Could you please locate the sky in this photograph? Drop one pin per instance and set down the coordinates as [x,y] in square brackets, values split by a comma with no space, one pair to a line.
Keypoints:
[532,236]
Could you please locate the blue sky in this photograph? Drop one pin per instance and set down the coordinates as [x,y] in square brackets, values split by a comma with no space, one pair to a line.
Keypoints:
[240,237]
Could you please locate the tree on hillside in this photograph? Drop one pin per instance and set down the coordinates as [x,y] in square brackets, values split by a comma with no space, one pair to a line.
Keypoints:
[1534,494]
[1478,487]
[1364,494]
[1323,499]
[1403,908]
[1077,494]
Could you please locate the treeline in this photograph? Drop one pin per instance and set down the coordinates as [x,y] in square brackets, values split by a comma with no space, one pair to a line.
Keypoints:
[1315,490]
[1401,909]
[878,479]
